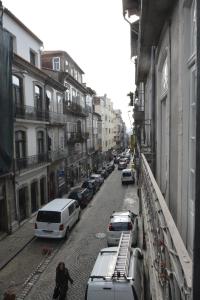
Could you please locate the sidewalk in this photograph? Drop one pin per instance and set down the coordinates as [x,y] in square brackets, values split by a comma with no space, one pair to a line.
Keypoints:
[12,244]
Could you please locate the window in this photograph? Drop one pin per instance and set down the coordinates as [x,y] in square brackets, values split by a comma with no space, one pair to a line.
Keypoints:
[66,66]
[71,208]
[49,100]
[49,216]
[56,63]
[20,144]
[17,90]
[73,95]
[60,104]
[164,78]
[38,98]
[40,142]
[79,126]
[32,58]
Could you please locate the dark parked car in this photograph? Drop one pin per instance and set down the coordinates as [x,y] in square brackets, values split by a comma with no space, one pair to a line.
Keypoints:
[103,173]
[111,166]
[117,159]
[91,185]
[82,195]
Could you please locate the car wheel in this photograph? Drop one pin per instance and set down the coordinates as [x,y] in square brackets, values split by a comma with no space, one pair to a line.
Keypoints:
[67,233]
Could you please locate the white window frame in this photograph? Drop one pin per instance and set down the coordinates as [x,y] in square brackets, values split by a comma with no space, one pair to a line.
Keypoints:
[56,64]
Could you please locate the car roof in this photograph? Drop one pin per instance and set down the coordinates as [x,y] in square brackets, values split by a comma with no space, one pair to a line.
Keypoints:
[121,214]
[57,204]
[126,170]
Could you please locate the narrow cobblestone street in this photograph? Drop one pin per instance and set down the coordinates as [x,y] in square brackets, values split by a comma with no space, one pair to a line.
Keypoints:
[80,251]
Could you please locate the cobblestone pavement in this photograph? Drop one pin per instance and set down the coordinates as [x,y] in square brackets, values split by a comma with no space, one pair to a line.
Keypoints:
[85,241]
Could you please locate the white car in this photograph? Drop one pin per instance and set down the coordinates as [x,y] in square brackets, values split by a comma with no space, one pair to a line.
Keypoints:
[97,177]
[122,221]
[128,176]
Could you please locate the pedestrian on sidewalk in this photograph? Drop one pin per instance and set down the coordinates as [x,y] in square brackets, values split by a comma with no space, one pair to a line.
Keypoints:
[62,278]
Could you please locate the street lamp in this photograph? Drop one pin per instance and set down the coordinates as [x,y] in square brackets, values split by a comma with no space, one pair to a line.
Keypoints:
[1,14]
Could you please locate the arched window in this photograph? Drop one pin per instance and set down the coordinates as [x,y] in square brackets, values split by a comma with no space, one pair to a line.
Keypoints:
[20,144]
[40,142]
[17,90]
[38,98]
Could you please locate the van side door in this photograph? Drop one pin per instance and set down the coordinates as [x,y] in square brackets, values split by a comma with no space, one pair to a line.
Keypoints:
[73,213]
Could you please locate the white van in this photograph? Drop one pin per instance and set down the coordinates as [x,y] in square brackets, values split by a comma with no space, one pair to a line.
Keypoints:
[117,273]
[56,218]
[128,176]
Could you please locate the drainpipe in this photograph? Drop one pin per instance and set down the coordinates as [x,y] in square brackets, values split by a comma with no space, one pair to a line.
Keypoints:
[196,243]
[153,110]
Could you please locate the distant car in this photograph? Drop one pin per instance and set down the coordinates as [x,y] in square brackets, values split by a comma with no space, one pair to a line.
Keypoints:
[98,178]
[103,173]
[109,167]
[117,159]
[122,165]
[122,221]
[82,195]
[91,185]
[112,165]
[128,176]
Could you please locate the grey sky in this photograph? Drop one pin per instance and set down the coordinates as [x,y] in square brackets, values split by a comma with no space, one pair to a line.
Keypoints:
[95,35]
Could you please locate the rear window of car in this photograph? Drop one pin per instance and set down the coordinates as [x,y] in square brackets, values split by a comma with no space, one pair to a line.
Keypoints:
[126,174]
[85,184]
[49,216]
[75,196]
[120,226]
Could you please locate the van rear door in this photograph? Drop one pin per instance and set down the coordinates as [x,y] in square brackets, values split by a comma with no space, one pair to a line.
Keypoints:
[99,291]
[48,221]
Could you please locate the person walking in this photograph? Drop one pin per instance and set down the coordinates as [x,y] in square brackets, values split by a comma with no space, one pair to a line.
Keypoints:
[62,278]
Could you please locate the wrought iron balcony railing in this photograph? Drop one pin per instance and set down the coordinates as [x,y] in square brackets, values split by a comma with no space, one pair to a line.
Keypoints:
[76,109]
[77,137]
[57,118]
[168,259]
[30,162]
[56,155]
[31,113]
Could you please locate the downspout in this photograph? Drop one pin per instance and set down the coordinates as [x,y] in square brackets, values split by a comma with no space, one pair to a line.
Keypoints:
[170,98]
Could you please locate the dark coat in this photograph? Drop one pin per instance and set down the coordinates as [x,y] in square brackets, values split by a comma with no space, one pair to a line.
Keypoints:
[62,278]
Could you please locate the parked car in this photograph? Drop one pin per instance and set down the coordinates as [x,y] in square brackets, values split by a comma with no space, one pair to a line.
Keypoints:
[82,195]
[117,159]
[128,176]
[55,219]
[91,185]
[103,173]
[112,165]
[105,283]
[98,178]
[122,165]
[122,221]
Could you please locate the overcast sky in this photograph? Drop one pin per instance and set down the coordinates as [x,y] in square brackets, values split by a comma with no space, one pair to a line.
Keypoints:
[95,35]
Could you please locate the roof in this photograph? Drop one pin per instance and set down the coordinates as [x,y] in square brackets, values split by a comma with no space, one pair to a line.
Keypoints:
[126,170]
[6,11]
[62,52]
[57,204]
[105,263]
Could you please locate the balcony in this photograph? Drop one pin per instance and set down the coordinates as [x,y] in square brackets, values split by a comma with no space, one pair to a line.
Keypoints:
[31,113]
[57,118]
[76,109]
[168,260]
[138,113]
[30,162]
[57,155]
[76,156]
[77,137]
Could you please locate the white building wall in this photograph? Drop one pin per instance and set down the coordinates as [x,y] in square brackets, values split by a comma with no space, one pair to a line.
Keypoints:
[24,41]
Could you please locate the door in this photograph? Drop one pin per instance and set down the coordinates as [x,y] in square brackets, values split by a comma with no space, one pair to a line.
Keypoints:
[34,205]
[22,203]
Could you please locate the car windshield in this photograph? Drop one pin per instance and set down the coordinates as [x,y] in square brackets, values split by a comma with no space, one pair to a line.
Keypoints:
[75,196]
[48,216]
[126,174]
[120,226]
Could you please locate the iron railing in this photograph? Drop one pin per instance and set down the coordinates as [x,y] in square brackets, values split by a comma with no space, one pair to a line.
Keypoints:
[77,137]
[56,155]
[76,109]
[57,118]
[31,113]
[30,162]
[169,262]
